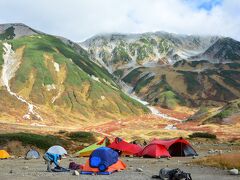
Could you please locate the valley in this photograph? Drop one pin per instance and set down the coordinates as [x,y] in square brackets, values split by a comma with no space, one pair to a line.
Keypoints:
[129,85]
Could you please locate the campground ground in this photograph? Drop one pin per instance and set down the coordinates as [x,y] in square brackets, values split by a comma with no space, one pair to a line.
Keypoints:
[21,169]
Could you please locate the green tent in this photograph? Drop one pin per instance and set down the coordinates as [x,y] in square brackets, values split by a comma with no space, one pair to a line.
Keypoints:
[88,150]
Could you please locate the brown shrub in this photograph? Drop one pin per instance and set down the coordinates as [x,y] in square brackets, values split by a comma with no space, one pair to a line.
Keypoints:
[221,161]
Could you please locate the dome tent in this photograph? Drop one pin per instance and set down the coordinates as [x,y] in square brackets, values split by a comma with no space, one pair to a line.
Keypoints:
[57,150]
[177,147]
[88,150]
[124,147]
[32,154]
[154,150]
[4,154]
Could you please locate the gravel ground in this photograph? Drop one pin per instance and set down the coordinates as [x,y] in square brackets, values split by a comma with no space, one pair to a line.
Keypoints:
[19,169]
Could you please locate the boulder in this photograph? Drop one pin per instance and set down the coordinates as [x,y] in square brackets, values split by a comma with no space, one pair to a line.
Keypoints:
[139,170]
[75,173]
[233,171]
[25,168]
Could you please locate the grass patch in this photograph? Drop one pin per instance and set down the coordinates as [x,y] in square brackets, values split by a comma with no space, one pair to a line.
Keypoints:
[167,97]
[120,55]
[40,141]
[227,111]
[233,65]
[134,102]
[191,80]
[203,135]
[142,82]
[1,57]
[228,161]
[132,75]
[118,73]
[8,34]
[82,136]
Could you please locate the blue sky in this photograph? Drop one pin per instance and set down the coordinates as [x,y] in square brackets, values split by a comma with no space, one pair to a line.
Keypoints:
[208,5]
[80,19]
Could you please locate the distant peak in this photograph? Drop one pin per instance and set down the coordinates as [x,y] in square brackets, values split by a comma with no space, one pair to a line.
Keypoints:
[19,30]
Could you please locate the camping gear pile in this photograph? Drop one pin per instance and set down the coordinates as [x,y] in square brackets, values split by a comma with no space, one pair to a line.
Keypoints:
[103,161]
[172,174]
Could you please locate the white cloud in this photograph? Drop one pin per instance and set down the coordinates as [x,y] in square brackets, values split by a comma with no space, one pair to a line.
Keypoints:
[79,19]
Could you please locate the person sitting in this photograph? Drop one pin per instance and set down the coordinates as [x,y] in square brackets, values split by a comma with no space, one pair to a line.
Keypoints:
[52,158]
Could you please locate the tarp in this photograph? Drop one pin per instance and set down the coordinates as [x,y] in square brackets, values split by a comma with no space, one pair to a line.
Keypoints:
[57,150]
[4,154]
[125,147]
[177,147]
[102,158]
[118,166]
[154,150]
[32,154]
[88,150]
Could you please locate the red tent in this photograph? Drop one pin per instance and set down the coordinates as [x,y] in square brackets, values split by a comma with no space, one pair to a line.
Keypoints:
[154,150]
[125,147]
[177,147]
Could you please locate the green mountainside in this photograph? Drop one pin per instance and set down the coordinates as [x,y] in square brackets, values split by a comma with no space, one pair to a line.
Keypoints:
[61,81]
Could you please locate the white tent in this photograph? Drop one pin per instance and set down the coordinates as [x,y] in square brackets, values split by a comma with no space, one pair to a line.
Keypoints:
[57,150]
[32,154]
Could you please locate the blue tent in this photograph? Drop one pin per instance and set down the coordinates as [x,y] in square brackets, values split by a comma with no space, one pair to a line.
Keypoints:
[102,158]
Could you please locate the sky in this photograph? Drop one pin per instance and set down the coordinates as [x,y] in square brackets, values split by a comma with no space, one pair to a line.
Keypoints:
[81,19]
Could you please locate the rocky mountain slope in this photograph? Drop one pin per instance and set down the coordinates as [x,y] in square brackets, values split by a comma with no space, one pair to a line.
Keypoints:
[168,69]
[228,114]
[52,79]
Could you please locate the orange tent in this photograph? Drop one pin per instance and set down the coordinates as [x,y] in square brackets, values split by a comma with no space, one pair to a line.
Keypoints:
[4,154]
[118,166]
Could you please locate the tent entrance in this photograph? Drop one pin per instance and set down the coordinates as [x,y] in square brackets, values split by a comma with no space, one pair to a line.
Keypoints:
[181,149]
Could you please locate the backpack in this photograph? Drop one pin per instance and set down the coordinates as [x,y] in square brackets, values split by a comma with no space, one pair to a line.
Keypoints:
[172,174]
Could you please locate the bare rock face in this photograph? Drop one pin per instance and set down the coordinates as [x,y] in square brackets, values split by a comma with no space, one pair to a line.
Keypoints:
[18,29]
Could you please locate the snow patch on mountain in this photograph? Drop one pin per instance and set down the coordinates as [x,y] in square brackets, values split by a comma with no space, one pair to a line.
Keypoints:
[10,66]
[129,91]
[56,66]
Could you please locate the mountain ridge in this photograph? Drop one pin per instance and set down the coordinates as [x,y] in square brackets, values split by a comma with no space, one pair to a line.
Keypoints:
[200,63]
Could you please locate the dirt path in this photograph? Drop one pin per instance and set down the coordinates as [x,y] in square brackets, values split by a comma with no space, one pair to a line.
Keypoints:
[35,169]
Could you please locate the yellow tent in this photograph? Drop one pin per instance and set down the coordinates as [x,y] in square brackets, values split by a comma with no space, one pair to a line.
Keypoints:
[4,154]
[86,152]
